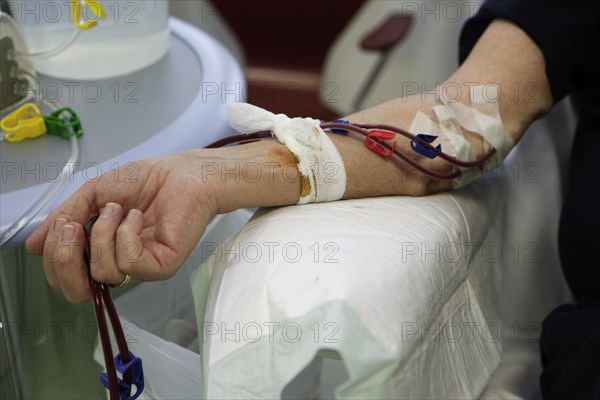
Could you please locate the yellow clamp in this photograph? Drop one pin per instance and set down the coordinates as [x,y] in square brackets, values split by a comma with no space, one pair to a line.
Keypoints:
[25,122]
[96,8]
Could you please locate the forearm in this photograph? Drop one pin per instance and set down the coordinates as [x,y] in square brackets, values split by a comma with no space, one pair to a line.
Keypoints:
[265,174]
[504,57]
[505,60]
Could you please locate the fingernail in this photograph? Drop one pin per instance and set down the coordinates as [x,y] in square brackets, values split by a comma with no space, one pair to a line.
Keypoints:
[108,210]
[58,224]
[67,234]
[133,215]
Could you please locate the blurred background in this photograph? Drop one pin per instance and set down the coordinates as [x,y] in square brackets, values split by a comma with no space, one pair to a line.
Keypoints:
[326,59]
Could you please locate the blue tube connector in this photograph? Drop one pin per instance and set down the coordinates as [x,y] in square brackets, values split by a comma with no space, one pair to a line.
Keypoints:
[137,377]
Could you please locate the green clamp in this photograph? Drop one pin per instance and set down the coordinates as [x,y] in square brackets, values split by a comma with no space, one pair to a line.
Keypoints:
[64,123]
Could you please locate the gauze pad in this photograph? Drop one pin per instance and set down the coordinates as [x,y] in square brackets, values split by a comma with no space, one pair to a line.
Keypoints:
[318,159]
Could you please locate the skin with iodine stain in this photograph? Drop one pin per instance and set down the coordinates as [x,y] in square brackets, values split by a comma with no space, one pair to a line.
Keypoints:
[283,154]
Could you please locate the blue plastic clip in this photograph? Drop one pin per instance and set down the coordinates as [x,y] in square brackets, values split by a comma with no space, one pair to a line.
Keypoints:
[338,130]
[419,148]
[137,377]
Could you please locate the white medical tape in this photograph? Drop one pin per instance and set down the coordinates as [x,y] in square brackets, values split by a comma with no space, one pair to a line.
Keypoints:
[481,117]
[423,124]
[450,129]
[318,159]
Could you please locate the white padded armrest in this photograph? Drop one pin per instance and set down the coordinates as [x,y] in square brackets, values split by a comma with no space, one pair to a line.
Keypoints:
[397,286]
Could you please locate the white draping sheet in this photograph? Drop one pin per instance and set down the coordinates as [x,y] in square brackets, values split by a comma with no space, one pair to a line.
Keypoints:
[402,289]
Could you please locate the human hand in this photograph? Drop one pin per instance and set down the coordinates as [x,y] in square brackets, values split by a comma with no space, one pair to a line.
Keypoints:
[152,214]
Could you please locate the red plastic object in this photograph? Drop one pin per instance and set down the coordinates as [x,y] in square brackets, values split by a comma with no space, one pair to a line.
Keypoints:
[374,140]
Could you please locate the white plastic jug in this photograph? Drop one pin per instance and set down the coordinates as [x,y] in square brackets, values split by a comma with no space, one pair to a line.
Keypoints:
[133,35]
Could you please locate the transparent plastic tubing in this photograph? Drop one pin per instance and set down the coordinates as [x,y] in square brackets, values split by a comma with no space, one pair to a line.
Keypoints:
[53,190]
[52,52]
[47,197]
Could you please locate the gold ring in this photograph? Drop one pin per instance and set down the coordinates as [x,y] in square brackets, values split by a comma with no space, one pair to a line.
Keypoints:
[125,282]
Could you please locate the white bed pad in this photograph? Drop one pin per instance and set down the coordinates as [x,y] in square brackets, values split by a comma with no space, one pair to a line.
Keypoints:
[402,289]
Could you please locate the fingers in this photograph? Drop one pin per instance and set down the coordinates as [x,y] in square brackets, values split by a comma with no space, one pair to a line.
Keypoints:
[116,249]
[52,253]
[134,259]
[79,208]
[103,248]
[64,262]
